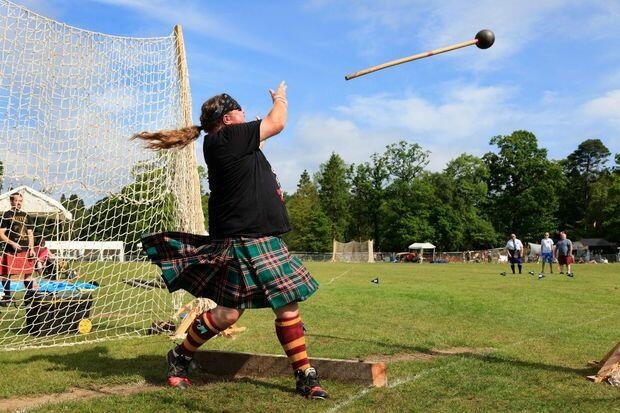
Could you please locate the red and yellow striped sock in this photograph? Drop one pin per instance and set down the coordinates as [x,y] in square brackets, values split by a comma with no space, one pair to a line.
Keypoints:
[290,332]
[201,330]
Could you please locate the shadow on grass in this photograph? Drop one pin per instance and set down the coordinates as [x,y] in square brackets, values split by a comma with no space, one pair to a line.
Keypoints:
[484,356]
[95,363]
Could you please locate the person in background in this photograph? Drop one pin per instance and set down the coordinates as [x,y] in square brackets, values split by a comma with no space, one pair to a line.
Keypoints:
[546,252]
[514,247]
[18,257]
[564,253]
[46,262]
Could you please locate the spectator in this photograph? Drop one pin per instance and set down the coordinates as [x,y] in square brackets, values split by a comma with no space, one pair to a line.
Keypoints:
[564,253]
[46,262]
[546,251]
[18,257]
[515,253]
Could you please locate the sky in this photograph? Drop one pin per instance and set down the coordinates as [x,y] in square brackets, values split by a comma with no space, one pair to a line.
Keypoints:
[554,70]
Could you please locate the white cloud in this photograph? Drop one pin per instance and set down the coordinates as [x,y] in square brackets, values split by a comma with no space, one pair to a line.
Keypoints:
[605,108]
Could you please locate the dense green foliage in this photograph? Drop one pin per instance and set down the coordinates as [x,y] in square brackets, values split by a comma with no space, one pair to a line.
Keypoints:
[474,203]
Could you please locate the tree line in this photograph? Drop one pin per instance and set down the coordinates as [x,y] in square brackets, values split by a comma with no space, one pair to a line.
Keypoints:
[474,203]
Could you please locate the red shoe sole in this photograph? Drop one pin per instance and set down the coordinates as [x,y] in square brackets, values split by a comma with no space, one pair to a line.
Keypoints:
[179,382]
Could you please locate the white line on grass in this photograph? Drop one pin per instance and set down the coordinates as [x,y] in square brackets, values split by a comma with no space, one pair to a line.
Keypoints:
[396,383]
[409,379]
[335,278]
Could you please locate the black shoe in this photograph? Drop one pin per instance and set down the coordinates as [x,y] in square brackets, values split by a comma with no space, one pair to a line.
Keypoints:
[561,272]
[178,368]
[308,384]
[570,274]
[6,302]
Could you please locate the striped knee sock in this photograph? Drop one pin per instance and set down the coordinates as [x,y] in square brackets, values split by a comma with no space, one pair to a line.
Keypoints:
[201,330]
[290,332]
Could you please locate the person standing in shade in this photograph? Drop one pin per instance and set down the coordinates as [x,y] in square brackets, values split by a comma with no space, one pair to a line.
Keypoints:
[546,252]
[564,253]
[243,263]
[514,247]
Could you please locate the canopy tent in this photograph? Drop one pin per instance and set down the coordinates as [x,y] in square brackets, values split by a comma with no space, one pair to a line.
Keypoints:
[36,204]
[421,246]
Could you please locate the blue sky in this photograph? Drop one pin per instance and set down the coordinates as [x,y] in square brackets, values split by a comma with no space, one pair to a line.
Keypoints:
[554,69]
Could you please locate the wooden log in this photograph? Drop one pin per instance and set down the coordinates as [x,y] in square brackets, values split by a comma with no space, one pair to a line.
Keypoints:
[231,364]
[609,366]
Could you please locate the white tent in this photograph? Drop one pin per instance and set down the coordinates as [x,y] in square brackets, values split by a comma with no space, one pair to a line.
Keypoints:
[421,246]
[36,204]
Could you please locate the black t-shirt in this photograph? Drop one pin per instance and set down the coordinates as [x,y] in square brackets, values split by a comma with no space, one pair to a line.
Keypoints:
[246,199]
[17,224]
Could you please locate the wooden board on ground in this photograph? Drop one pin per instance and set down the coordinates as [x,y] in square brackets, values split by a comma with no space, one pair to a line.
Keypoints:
[230,364]
[610,367]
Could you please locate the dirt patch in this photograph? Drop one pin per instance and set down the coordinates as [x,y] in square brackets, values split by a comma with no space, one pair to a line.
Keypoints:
[25,403]
[430,355]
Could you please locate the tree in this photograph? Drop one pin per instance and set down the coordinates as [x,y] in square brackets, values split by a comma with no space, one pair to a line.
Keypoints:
[76,206]
[469,176]
[138,208]
[604,210]
[404,161]
[334,195]
[522,186]
[311,227]
[367,195]
[203,177]
[406,208]
[582,169]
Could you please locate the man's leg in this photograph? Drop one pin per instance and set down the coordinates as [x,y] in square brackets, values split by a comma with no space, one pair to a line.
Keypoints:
[290,332]
[206,326]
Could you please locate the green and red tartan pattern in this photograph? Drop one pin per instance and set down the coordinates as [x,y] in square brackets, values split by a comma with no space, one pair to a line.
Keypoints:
[233,272]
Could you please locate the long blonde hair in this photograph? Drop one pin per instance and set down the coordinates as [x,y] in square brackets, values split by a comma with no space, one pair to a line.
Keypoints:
[211,114]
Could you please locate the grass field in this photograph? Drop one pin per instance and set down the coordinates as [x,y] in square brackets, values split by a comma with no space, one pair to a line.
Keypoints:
[456,337]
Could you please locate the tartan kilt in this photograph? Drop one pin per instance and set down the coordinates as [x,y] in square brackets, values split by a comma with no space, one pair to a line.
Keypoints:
[17,263]
[234,272]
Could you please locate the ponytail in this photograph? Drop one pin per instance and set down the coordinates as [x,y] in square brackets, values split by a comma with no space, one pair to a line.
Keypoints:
[166,139]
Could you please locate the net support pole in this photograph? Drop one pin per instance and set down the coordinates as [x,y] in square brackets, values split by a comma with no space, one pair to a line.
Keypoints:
[186,183]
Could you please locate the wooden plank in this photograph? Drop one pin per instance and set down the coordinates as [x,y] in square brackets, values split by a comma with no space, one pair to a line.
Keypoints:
[230,364]
[609,365]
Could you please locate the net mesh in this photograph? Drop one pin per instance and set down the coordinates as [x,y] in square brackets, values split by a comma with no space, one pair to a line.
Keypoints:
[70,100]
[353,251]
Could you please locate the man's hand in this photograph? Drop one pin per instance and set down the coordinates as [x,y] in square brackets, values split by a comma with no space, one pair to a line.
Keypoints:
[280,93]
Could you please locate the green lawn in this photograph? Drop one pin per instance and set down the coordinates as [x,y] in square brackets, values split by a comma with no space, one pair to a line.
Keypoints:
[509,343]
